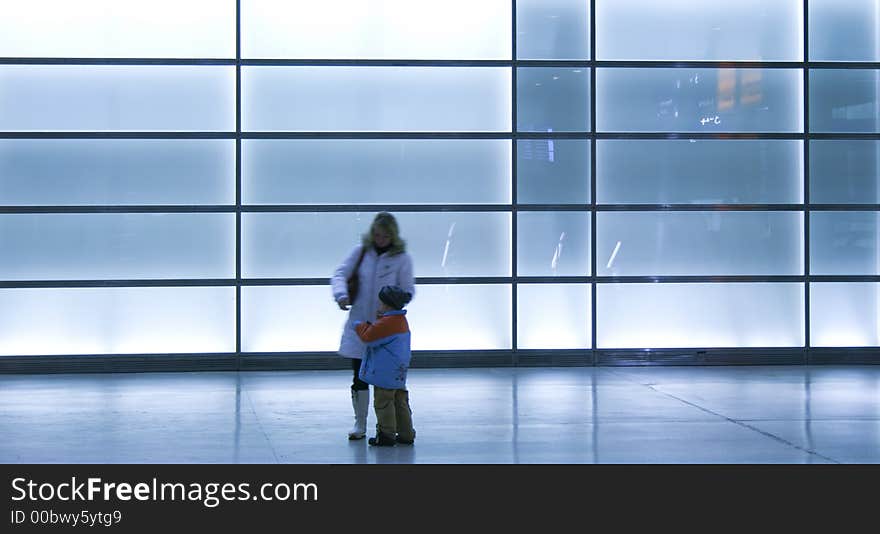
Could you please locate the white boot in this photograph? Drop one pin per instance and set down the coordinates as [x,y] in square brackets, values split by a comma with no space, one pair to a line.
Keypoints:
[360,401]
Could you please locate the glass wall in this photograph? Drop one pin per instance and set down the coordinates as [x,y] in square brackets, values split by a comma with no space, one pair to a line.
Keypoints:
[577,175]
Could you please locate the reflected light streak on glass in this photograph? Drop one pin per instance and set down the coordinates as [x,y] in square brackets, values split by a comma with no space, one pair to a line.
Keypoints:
[613,255]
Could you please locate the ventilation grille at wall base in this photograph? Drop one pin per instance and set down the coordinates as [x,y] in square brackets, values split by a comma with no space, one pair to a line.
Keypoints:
[140,363]
[833,356]
[579,358]
[294,362]
[129,363]
[434,360]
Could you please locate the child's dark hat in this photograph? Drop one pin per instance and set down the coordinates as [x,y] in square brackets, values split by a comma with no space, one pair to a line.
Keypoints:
[394,297]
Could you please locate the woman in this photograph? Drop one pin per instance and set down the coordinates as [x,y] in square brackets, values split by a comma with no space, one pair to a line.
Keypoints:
[380,260]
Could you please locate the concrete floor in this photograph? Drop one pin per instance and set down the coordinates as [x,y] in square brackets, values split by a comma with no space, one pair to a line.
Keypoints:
[527,415]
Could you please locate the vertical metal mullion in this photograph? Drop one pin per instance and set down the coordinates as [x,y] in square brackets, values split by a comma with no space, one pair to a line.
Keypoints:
[806,164]
[593,285]
[238,184]
[513,178]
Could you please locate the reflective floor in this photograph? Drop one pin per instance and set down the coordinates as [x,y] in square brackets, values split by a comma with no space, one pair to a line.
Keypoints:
[527,415]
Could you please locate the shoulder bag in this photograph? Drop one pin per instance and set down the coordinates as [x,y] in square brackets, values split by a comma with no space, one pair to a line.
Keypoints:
[353,282]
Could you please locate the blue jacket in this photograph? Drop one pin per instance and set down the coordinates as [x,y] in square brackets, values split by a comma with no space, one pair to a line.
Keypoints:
[387,356]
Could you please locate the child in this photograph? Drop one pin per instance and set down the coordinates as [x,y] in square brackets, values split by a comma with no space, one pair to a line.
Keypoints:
[385,364]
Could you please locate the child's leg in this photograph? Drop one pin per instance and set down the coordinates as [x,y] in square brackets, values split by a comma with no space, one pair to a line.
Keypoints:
[386,420]
[405,431]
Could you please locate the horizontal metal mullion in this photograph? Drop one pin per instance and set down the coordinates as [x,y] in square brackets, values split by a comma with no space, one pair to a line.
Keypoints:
[696,64]
[281,62]
[185,282]
[552,135]
[440,280]
[586,279]
[575,63]
[554,279]
[360,208]
[428,280]
[699,207]
[268,135]
[698,279]
[844,278]
[376,135]
[792,136]
[844,207]
[843,65]
[485,280]
[285,282]
[113,61]
[552,207]
[563,63]
[425,208]
[844,136]
[433,135]
[117,209]
[117,135]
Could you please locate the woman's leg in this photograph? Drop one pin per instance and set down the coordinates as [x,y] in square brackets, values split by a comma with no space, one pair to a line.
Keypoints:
[360,402]
[356,383]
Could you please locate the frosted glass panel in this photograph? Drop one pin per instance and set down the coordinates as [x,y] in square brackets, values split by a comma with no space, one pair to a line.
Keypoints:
[378,29]
[553,243]
[114,28]
[461,317]
[744,30]
[845,172]
[553,316]
[844,242]
[844,100]
[844,314]
[552,99]
[393,99]
[117,171]
[844,30]
[117,98]
[380,171]
[699,100]
[689,171]
[553,171]
[290,318]
[553,29]
[136,320]
[479,314]
[700,315]
[699,243]
[122,246]
[302,245]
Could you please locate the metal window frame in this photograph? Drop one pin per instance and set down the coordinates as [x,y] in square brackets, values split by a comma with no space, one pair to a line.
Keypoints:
[239,360]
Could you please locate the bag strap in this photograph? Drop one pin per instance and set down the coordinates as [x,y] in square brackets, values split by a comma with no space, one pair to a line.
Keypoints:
[360,259]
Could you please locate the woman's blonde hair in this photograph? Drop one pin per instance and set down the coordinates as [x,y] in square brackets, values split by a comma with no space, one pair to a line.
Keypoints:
[387,223]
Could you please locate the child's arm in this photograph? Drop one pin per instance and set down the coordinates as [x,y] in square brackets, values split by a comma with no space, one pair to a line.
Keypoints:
[369,332]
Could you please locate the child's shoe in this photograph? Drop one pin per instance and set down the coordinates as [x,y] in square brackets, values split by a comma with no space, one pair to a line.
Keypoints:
[382,440]
[402,441]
